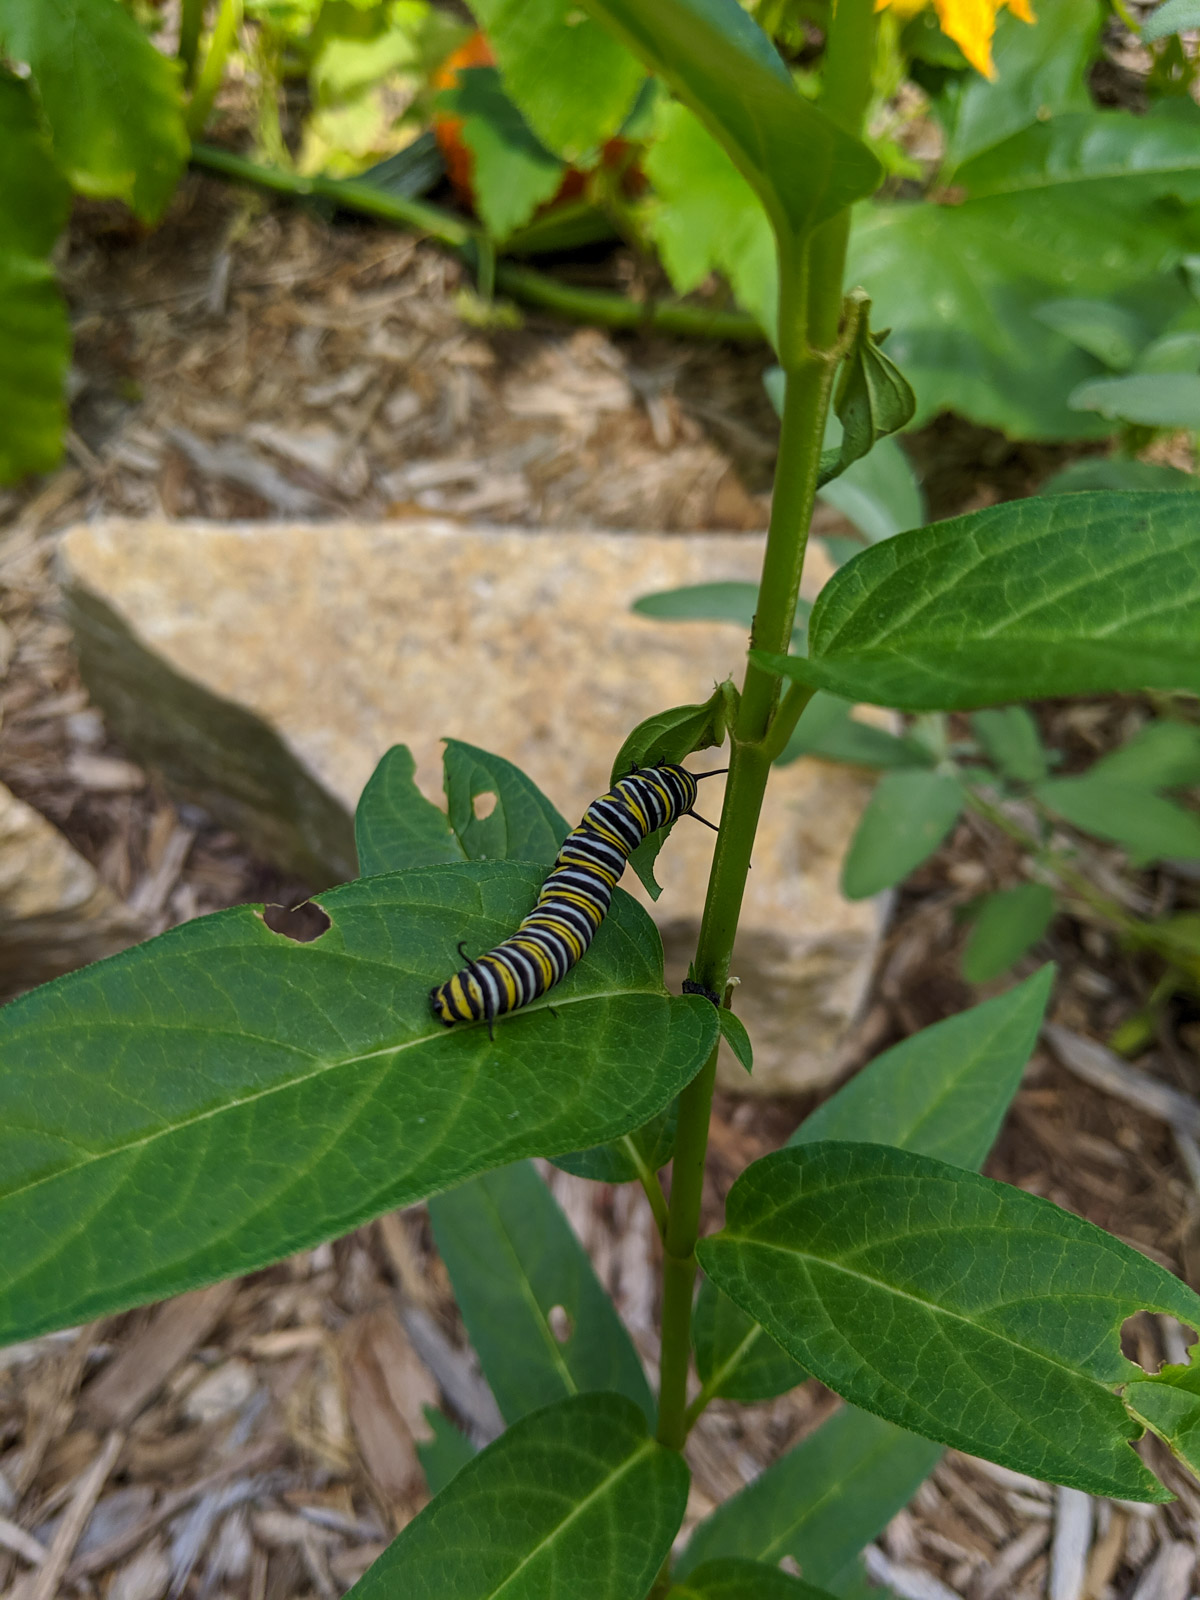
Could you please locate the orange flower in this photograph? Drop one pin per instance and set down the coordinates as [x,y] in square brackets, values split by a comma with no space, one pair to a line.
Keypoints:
[970,23]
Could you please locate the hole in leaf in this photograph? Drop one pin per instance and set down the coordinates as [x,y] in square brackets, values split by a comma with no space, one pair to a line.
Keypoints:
[484,804]
[1154,1342]
[302,924]
[560,1323]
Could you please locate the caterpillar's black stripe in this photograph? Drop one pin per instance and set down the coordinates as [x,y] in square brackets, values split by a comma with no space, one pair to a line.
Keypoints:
[574,898]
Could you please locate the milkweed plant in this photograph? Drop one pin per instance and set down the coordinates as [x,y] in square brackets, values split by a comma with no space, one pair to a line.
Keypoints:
[223,1095]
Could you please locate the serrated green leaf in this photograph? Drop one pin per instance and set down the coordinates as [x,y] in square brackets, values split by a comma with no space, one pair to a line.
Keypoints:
[576,1502]
[131,1091]
[1146,825]
[1162,755]
[733,1353]
[1175,16]
[733,1031]
[574,82]
[395,827]
[513,172]
[1154,399]
[743,1580]
[1010,737]
[706,218]
[822,1501]
[513,1261]
[1075,594]
[1006,924]
[828,731]
[1114,472]
[879,493]
[908,815]
[111,99]
[445,1455]
[944,1091]
[636,1155]
[35,339]
[723,66]
[999,1313]
[522,824]
[670,736]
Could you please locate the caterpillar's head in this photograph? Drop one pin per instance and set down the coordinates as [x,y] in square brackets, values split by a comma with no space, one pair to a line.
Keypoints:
[439,1004]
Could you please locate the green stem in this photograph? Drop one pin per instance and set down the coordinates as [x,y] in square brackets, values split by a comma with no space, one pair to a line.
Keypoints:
[229,20]
[595,306]
[191,21]
[810,306]
[649,1181]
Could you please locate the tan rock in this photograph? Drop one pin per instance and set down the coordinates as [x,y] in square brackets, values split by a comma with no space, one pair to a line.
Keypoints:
[266,668]
[55,914]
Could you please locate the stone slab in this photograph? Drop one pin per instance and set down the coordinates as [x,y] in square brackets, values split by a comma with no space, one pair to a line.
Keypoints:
[265,668]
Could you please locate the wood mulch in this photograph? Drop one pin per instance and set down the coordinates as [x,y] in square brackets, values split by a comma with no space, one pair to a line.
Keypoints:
[257,1439]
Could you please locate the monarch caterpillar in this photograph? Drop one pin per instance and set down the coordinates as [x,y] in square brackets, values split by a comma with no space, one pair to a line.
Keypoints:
[574,898]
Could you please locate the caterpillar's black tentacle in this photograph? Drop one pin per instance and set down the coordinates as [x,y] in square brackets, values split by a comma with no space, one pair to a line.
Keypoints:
[574,899]
[695,815]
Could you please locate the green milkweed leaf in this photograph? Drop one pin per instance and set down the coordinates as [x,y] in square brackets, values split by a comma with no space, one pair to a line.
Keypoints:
[980,1315]
[514,1262]
[1010,737]
[573,81]
[743,1580]
[822,1501]
[942,1093]
[1169,1404]
[1162,755]
[1154,399]
[1109,332]
[35,339]
[445,1455]
[908,815]
[636,1155]
[576,1502]
[222,1095]
[879,493]
[1114,472]
[733,1353]
[1006,924]
[1074,594]
[828,730]
[111,99]
[395,827]
[733,1031]
[670,736]
[723,66]
[1147,825]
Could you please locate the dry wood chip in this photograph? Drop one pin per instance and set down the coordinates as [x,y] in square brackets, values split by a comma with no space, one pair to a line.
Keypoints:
[237,465]
[1103,1069]
[386,1386]
[1105,1558]
[455,1371]
[176,1329]
[963,1493]
[145,1577]
[104,774]
[1011,1560]
[21,1543]
[1072,1536]
[44,1583]
[908,1583]
[1169,1577]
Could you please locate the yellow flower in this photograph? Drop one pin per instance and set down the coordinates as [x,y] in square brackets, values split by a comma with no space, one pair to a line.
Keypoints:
[970,23]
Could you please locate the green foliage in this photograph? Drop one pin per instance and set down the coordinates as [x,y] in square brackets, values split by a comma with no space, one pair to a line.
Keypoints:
[734,1356]
[636,1155]
[513,1262]
[822,1501]
[733,1031]
[908,815]
[1155,399]
[1147,825]
[945,617]
[743,1580]
[445,1455]
[879,493]
[34,335]
[1115,472]
[111,100]
[1006,924]
[316,1072]
[997,1314]
[726,70]
[670,736]
[575,1502]
[572,79]
[1169,1404]
[395,826]
[1010,737]
[1174,16]
[828,731]
[514,173]
[873,397]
